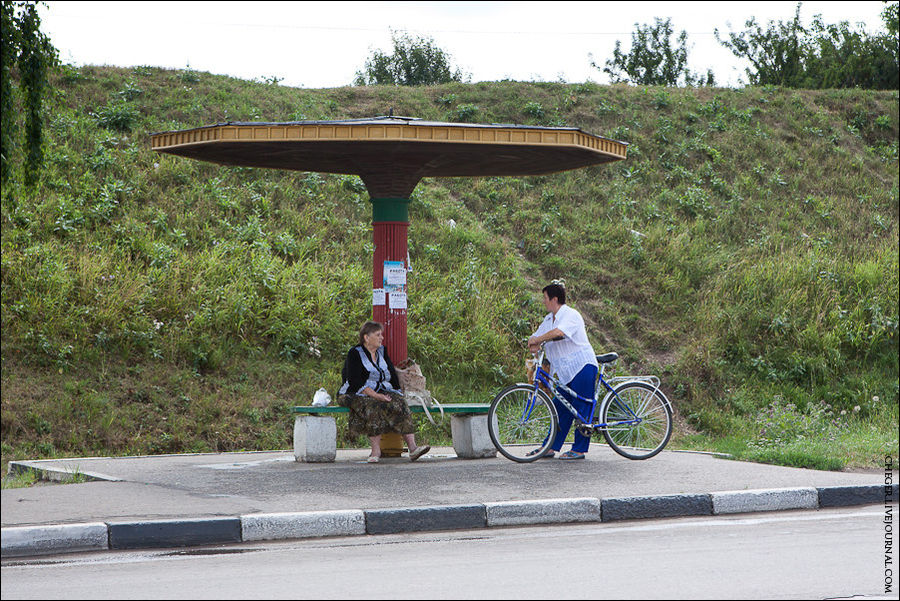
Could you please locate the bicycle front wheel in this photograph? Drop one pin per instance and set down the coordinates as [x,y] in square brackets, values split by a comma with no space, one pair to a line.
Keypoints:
[522,423]
[638,420]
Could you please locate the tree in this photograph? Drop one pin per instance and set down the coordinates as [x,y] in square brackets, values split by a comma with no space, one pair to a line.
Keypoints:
[654,59]
[23,47]
[416,61]
[775,53]
[823,56]
[839,56]
[891,16]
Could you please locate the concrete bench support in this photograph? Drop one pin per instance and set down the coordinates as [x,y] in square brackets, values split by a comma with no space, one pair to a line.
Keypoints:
[470,437]
[315,431]
[315,438]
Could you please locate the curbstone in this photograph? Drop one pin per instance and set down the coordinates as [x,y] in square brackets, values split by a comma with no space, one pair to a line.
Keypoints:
[544,511]
[174,533]
[664,506]
[62,538]
[772,499]
[841,496]
[274,526]
[24,541]
[55,474]
[419,519]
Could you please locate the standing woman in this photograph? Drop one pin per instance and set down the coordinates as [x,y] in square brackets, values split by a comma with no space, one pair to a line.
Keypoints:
[371,390]
[572,357]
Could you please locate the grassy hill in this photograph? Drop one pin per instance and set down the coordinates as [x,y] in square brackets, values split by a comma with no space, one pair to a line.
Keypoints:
[746,252]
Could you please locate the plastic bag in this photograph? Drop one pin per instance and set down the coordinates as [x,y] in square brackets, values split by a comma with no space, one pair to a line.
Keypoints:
[321,398]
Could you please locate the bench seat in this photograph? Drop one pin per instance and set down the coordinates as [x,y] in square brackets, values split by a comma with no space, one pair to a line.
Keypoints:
[315,430]
[458,408]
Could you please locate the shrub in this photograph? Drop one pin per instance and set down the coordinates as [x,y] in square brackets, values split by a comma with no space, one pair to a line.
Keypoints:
[117,116]
[465,112]
[534,109]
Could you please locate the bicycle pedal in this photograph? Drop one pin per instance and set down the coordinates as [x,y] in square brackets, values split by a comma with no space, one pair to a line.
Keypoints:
[585,430]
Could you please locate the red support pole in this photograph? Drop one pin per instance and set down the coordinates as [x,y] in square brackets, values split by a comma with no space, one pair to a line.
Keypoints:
[390,225]
[390,237]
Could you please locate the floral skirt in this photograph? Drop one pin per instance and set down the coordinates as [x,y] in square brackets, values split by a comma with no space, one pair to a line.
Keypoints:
[373,417]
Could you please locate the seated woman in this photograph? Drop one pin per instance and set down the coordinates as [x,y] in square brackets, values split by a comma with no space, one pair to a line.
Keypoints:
[371,390]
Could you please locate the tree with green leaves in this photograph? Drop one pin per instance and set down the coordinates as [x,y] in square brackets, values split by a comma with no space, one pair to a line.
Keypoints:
[821,56]
[416,61]
[655,59]
[891,16]
[839,56]
[27,51]
[775,53]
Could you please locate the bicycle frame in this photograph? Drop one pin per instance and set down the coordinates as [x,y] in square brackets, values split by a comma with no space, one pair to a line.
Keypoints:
[541,376]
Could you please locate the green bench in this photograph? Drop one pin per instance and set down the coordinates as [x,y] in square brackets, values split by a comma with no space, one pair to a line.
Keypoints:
[315,431]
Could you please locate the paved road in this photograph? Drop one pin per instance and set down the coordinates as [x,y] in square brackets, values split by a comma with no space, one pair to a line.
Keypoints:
[833,553]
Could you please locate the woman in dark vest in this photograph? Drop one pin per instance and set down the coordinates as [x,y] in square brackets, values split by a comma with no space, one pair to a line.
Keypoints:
[371,390]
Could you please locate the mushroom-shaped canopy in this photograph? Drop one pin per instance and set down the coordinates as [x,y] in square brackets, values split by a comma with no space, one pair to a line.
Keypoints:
[391,154]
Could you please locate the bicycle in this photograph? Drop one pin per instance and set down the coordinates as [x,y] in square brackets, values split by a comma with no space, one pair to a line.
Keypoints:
[634,416]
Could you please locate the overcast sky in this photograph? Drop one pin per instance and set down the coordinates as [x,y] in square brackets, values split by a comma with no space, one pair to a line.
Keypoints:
[323,44]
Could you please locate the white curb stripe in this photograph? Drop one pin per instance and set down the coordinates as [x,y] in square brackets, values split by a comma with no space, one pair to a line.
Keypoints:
[772,499]
[543,511]
[58,538]
[274,526]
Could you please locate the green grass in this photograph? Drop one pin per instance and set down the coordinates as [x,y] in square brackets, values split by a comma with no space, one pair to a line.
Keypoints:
[24,479]
[817,434]
[28,477]
[746,252]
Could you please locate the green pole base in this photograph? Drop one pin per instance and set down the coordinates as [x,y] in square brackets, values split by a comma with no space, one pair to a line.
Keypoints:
[390,209]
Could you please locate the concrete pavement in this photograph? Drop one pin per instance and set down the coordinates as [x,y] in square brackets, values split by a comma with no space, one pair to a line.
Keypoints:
[180,500]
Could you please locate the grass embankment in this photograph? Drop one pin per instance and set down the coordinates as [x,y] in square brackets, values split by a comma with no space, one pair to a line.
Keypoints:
[746,251]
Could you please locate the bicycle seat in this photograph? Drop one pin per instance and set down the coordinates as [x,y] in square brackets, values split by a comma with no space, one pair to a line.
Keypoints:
[607,358]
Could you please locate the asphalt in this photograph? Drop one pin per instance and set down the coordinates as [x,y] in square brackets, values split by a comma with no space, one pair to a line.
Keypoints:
[201,499]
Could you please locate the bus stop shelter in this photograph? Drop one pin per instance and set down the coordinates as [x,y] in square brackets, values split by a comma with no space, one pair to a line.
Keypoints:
[391,155]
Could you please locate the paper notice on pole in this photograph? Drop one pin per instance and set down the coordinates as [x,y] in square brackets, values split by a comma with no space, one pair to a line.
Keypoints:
[394,275]
[397,300]
[378,297]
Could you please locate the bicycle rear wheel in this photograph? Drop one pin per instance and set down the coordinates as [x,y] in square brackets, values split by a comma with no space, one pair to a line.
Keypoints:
[522,423]
[644,434]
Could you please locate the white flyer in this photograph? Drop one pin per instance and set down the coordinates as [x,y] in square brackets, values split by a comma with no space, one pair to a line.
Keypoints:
[397,300]
[378,297]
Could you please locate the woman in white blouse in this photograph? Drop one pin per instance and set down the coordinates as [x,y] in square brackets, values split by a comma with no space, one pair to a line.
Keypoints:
[571,356]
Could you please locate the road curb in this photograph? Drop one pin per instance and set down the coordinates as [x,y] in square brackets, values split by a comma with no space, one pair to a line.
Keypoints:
[840,496]
[308,524]
[55,474]
[420,519]
[545,511]
[665,506]
[773,499]
[174,533]
[25,541]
